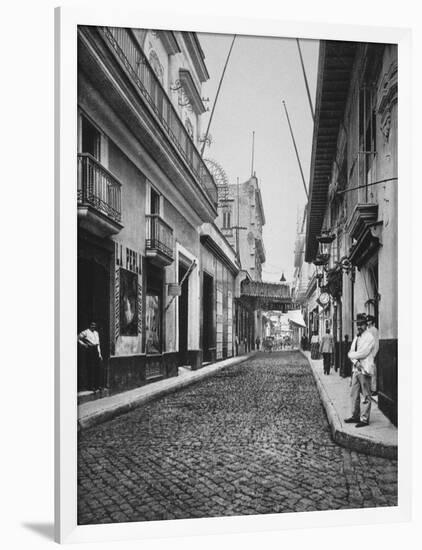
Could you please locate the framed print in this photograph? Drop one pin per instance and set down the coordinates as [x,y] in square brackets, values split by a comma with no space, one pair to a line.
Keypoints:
[208,382]
[128,303]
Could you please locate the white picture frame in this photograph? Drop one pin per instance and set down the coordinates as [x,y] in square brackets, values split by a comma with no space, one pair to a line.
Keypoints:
[66,22]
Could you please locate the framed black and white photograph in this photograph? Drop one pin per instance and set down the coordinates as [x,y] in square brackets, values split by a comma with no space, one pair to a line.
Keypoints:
[231,231]
[128,291]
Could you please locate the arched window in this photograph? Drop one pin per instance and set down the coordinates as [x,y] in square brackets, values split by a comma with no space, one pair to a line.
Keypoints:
[156,66]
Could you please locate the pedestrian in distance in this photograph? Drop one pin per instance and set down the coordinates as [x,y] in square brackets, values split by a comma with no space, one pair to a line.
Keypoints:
[258,342]
[89,339]
[327,348]
[374,331]
[315,345]
[362,356]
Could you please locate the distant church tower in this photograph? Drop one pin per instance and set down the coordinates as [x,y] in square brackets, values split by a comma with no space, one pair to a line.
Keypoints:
[283,278]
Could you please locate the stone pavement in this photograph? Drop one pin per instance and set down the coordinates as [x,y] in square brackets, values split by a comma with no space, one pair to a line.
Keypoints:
[378,439]
[100,410]
[251,439]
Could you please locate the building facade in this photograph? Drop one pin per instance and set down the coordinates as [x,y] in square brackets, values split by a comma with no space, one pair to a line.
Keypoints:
[353,195]
[219,271]
[143,194]
[241,219]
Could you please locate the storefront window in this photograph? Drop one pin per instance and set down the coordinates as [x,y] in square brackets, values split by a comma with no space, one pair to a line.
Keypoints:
[153,323]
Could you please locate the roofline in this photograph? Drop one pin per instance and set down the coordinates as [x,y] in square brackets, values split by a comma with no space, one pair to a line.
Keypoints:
[331,80]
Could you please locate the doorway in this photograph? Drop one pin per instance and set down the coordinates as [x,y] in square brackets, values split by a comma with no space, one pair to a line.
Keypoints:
[183,317]
[93,305]
[208,317]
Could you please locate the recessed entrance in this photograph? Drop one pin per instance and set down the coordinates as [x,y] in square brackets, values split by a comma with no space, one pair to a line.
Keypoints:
[93,305]
[183,317]
[208,344]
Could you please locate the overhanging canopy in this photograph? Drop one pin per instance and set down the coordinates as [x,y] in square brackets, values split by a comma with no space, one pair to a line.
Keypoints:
[295,317]
[334,72]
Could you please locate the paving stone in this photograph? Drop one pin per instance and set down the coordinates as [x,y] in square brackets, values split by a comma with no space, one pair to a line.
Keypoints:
[252,439]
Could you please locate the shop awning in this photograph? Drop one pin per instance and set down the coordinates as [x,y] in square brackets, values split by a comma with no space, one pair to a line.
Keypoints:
[295,317]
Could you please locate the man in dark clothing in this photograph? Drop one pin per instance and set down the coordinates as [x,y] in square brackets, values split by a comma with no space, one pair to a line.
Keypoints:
[327,348]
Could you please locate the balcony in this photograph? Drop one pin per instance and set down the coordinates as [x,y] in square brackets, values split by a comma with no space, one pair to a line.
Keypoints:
[99,198]
[159,241]
[125,46]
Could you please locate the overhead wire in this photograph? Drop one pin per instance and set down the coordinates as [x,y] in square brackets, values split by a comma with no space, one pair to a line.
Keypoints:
[216,96]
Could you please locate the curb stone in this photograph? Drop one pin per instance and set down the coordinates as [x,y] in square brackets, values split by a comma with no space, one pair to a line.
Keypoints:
[165,387]
[352,442]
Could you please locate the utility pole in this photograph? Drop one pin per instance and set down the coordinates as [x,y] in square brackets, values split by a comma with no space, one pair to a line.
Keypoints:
[237,227]
[253,152]
[238,218]
[306,80]
[297,153]
[216,97]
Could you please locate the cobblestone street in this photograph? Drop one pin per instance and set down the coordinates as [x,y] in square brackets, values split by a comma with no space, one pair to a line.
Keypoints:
[253,439]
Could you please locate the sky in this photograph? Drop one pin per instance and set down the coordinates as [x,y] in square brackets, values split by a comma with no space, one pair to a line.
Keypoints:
[263,71]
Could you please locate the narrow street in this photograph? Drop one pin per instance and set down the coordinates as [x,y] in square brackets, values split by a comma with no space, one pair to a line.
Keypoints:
[253,439]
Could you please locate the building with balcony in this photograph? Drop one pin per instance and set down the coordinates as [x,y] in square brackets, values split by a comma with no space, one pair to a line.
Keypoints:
[240,220]
[353,195]
[143,194]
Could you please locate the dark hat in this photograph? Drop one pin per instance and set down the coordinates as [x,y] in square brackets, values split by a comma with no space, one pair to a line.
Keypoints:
[361,319]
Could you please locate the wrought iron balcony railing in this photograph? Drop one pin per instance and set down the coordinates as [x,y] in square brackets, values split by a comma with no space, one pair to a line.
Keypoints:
[159,236]
[98,188]
[136,64]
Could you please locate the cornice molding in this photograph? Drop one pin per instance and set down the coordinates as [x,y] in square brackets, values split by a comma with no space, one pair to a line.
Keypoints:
[169,41]
[362,216]
[196,54]
[191,91]
[365,231]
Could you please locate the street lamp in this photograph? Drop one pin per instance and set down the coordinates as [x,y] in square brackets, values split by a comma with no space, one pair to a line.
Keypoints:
[325,240]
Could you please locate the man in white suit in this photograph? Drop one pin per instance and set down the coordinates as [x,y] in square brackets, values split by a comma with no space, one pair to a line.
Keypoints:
[362,356]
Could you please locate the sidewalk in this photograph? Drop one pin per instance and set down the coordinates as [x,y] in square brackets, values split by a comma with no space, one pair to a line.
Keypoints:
[378,439]
[95,412]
